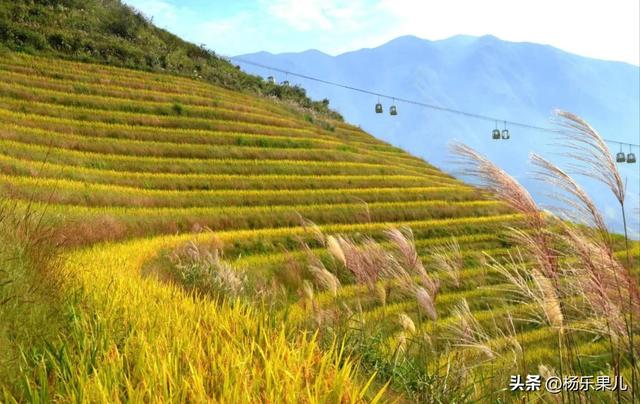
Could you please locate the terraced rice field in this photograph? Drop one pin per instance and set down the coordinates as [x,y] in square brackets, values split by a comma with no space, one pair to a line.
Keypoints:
[129,164]
[154,154]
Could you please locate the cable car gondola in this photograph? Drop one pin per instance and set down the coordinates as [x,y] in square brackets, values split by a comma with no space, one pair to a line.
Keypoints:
[393,110]
[495,135]
[505,132]
[379,109]
[631,158]
[271,79]
[620,156]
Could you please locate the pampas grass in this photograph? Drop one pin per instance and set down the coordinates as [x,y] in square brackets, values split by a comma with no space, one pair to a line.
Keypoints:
[527,285]
[467,331]
[448,259]
[506,188]
[569,261]
[592,158]
[577,204]
[334,247]
[403,244]
[406,323]
[426,302]
[321,274]
[589,152]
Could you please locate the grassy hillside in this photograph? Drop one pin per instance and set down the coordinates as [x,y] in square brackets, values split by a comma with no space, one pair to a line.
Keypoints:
[146,178]
[109,32]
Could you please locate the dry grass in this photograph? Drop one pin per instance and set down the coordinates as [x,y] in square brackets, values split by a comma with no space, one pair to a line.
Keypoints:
[590,153]
[204,271]
[538,240]
[448,259]
[35,292]
[576,261]
[468,333]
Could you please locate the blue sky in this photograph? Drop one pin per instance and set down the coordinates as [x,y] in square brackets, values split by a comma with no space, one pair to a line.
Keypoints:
[596,28]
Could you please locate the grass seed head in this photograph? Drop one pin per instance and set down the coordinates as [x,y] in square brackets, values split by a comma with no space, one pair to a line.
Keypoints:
[407,323]
[426,302]
[333,245]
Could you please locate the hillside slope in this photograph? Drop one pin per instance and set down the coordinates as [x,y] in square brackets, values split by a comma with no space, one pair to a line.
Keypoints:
[178,153]
[109,32]
[129,166]
[106,163]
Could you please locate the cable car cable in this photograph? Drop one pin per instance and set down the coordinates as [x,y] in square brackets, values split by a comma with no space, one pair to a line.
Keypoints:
[413,102]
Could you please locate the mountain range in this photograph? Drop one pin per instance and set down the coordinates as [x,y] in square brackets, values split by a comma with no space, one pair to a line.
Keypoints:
[522,82]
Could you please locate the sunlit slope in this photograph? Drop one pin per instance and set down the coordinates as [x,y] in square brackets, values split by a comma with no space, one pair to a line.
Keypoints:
[131,157]
[117,153]
[146,161]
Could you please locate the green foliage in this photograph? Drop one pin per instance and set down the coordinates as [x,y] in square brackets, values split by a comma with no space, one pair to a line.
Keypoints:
[107,31]
[31,300]
[177,108]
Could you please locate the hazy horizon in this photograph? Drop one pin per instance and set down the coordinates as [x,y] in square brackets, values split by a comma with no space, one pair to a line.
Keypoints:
[335,27]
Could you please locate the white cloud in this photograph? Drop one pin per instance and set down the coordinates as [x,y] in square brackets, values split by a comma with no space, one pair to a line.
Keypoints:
[224,28]
[162,12]
[232,35]
[324,15]
[305,15]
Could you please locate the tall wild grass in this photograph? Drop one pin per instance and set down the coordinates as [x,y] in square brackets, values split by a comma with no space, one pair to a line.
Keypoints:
[33,296]
[565,304]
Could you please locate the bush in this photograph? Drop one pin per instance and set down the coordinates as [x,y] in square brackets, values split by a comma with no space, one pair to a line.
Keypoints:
[203,270]
[177,108]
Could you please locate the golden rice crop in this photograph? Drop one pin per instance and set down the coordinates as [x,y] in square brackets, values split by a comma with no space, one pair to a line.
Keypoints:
[18,167]
[193,136]
[183,149]
[98,102]
[193,151]
[82,193]
[70,85]
[177,150]
[376,212]
[155,341]
[130,79]
[140,132]
[114,222]
[94,224]
[190,165]
[108,80]
[133,118]
[112,154]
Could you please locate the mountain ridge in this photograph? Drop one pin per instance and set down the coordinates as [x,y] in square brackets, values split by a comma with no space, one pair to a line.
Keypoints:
[464,38]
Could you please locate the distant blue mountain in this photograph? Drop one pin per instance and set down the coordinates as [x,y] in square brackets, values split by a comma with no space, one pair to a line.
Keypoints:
[486,75]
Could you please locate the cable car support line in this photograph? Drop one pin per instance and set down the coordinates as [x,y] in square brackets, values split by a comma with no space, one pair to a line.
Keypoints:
[413,102]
